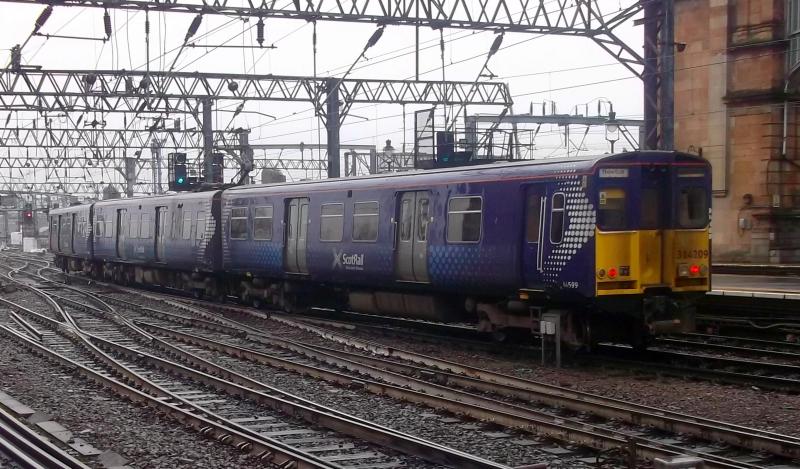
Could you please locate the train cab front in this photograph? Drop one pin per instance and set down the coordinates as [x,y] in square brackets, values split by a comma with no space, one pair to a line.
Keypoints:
[653,254]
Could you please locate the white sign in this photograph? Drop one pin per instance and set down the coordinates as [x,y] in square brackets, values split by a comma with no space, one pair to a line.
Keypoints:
[613,172]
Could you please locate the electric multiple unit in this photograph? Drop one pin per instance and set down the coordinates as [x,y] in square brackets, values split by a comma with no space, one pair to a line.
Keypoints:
[617,245]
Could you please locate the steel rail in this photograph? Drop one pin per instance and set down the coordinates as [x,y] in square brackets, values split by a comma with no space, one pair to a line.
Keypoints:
[764,441]
[485,380]
[237,435]
[29,449]
[205,426]
[234,384]
[695,344]
[753,340]
[420,392]
[237,384]
[438,396]
[752,438]
[474,406]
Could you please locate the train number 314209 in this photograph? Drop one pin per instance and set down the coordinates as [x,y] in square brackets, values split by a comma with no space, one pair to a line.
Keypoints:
[692,253]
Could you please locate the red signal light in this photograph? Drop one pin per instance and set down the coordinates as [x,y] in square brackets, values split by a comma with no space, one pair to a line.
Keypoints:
[28,214]
[694,269]
[612,272]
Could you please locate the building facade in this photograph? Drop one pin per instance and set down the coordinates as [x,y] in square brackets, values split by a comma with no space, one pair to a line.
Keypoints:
[736,103]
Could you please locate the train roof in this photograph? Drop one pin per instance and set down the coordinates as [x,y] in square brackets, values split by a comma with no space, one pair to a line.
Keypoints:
[135,200]
[580,164]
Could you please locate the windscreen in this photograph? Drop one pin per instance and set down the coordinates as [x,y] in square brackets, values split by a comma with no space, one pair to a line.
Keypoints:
[611,209]
[692,208]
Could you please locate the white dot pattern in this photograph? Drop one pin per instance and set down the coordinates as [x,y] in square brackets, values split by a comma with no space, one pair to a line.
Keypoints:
[581,218]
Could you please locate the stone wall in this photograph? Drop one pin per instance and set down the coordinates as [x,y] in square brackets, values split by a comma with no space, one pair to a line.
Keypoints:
[729,107]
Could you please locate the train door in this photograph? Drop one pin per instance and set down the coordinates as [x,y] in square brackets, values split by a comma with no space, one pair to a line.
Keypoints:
[122,228]
[73,231]
[534,237]
[296,236]
[53,233]
[413,220]
[160,237]
[65,233]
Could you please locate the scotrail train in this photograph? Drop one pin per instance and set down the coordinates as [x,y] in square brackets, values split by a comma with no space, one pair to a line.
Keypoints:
[618,245]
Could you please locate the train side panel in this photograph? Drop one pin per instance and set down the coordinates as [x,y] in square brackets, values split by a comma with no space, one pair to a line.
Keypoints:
[71,232]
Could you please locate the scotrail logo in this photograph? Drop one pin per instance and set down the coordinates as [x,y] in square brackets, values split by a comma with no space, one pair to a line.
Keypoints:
[342,260]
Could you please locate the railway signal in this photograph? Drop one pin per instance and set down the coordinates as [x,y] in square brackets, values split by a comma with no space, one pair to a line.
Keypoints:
[178,172]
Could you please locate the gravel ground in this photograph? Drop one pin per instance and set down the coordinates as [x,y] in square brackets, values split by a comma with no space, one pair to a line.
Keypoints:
[482,439]
[753,407]
[146,439]
[485,440]
[747,406]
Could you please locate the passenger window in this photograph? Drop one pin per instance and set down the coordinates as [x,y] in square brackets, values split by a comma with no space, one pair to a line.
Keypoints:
[423,218]
[693,208]
[557,218]
[187,225]
[133,226]
[201,225]
[464,216]
[365,221]
[239,223]
[611,209]
[109,228]
[405,221]
[262,223]
[145,227]
[331,224]
[533,212]
[650,208]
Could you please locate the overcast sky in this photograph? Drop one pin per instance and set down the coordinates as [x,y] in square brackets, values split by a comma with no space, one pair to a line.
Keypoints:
[568,71]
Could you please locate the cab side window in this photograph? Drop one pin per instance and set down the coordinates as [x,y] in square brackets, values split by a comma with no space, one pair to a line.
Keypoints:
[611,209]
[557,218]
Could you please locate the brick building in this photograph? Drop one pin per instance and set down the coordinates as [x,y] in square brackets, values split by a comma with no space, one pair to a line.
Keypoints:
[737,104]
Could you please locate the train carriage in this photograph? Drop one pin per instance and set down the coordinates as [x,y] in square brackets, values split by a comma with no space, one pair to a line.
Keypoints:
[71,234]
[618,242]
[166,240]
[618,245]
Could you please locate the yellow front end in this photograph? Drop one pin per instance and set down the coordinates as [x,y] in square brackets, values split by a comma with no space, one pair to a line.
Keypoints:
[631,262]
[688,266]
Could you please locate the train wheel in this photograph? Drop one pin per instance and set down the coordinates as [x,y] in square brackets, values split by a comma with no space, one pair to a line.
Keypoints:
[499,335]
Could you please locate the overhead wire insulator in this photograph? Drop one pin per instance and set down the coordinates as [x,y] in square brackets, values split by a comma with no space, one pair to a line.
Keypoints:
[193,27]
[42,19]
[496,45]
[376,36]
[107,24]
[260,32]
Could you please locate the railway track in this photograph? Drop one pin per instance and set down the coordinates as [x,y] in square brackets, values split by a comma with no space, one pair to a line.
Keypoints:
[20,446]
[249,413]
[788,352]
[439,389]
[725,445]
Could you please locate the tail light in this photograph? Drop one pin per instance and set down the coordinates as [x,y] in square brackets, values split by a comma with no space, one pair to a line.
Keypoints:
[692,270]
[612,273]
